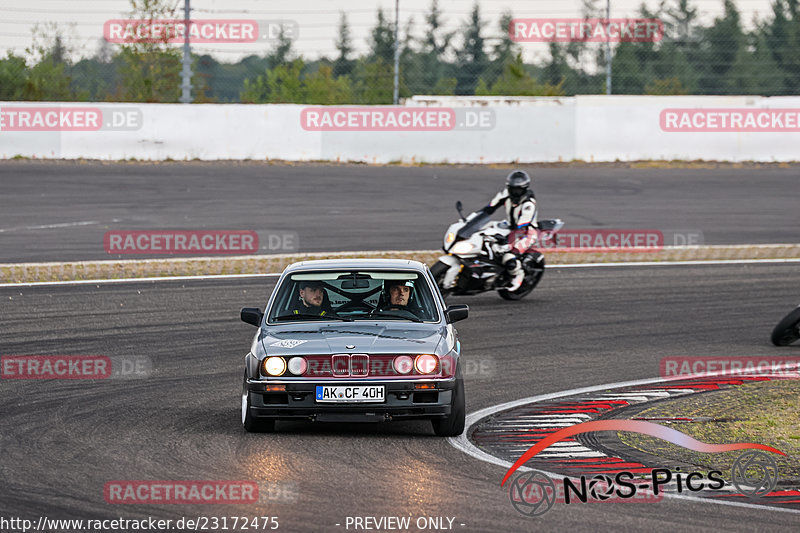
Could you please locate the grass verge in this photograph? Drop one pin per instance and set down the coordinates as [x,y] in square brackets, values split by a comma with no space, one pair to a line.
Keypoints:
[763,412]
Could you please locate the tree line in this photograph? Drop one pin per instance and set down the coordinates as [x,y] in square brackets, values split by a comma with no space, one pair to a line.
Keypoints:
[721,57]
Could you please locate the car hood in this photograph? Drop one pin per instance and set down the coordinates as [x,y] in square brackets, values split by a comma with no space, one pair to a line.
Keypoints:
[353,338]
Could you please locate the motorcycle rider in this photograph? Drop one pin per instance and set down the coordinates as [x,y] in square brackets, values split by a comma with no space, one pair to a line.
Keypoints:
[520,205]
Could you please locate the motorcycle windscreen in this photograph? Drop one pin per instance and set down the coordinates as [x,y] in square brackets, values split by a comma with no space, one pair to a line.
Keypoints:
[472,226]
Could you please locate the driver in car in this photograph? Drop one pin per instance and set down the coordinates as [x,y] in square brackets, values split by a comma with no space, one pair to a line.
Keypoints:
[312,298]
[398,293]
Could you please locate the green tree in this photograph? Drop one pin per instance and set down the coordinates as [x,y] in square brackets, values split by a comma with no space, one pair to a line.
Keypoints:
[13,78]
[557,70]
[48,76]
[516,81]
[504,51]
[150,71]
[430,65]
[382,40]
[343,66]
[721,44]
[665,86]
[471,57]
[282,52]
[445,86]
[150,76]
[754,70]
[374,74]
[783,38]
[279,85]
[679,20]
[323,88]
[629,75]
[374,82]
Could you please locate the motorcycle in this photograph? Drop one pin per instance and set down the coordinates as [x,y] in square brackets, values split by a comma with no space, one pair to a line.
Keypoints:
[472,264]
[788,330]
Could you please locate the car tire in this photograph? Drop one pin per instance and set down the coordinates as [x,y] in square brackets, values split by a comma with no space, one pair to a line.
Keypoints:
[251,423]
[788,330]
[453,424]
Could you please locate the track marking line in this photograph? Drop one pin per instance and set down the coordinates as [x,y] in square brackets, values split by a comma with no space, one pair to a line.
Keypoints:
[276,274]
[134,280]
[51,226]
[671,263]
[463,444]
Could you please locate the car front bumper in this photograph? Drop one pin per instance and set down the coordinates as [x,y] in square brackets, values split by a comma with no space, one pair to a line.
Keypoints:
[402,401]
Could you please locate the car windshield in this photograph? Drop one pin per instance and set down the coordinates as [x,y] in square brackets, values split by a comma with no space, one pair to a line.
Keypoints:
[402,295]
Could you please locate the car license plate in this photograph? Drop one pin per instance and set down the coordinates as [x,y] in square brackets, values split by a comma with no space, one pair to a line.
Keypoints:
[350,393]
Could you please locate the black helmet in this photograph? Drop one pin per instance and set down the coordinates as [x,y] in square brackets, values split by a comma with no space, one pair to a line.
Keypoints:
[518,184]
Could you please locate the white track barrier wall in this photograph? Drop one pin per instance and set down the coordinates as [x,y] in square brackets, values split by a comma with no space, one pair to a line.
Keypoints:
[588,128]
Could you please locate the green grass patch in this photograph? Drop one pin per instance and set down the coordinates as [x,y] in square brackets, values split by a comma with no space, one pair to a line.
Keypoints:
[765,412]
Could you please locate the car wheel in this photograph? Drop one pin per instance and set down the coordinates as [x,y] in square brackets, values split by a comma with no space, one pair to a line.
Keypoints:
[453,424]
[251,423]
[788,330]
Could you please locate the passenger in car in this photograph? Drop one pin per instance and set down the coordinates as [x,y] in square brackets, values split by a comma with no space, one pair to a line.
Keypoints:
[313,299]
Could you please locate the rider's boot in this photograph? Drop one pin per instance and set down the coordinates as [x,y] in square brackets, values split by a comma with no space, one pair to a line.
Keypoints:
[515,271]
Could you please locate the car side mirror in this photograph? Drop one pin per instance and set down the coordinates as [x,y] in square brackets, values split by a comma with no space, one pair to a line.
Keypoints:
[454,313]
[252,315]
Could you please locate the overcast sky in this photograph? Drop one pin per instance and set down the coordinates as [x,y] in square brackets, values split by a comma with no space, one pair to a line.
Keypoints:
[82,20]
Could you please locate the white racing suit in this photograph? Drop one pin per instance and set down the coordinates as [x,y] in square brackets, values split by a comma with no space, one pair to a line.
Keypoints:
[522,228]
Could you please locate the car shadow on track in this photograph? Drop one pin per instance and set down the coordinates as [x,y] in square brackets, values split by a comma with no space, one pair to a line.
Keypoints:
[211,421]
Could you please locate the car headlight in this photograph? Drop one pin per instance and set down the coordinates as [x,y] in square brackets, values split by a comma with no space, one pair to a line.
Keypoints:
[450,237]
[463,247]
[403,364]
[426,363]
[297,366]
[274,366]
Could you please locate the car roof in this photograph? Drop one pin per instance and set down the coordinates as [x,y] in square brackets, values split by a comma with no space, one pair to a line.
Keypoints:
[325,264]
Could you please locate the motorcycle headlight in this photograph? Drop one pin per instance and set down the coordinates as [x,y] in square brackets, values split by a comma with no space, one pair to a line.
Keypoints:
[463,247]
[450,237]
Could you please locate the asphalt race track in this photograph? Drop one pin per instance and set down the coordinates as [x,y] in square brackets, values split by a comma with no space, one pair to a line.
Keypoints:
[63,440]
[60,211]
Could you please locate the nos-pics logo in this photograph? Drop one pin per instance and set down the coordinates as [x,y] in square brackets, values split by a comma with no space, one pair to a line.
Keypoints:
[533,493]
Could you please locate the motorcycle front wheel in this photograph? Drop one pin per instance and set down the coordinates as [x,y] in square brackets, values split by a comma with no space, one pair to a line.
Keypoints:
[533,264]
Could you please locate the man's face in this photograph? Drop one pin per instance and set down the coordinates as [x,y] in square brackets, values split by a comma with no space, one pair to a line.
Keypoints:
[399,294]
[312,296]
